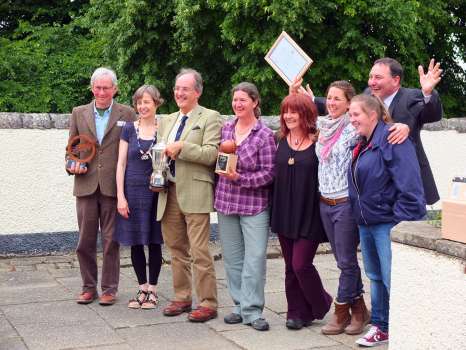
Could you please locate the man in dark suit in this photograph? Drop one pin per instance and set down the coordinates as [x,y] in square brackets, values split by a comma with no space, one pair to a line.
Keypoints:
[413,107]
[410,107]
[95,185]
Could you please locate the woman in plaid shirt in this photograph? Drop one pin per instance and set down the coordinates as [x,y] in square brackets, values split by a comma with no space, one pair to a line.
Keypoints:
[242,203]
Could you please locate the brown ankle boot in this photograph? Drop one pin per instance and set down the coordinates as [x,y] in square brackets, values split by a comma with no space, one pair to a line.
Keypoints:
[360,317]
[340,319]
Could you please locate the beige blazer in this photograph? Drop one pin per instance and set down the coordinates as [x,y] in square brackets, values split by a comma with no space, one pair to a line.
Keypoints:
[195,164]
[102,169]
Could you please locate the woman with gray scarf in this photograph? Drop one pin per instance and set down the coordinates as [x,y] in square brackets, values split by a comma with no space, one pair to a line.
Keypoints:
[336,139]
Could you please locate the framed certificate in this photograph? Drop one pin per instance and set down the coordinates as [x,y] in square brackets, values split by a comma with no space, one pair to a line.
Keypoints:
[288,59]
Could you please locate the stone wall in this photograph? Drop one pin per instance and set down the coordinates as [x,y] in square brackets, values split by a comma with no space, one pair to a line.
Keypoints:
[61,121]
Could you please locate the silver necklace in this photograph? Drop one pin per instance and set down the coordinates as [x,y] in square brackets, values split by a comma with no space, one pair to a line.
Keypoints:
[145,155]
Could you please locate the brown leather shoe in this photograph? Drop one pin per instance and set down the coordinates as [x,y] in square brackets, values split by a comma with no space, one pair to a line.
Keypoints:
[86,297]
[202,314]
[176,308]
[340,319]
[360,317]
[107,299]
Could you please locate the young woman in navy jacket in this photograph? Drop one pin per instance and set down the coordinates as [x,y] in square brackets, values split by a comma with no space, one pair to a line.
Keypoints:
[385,188]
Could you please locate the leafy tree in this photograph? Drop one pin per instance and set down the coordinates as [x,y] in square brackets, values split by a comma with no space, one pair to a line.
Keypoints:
[37,12]
[59,43]
[47,70]
[227,40]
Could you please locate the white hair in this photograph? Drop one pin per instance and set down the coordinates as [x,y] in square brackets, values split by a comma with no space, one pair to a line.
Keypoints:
[102,71]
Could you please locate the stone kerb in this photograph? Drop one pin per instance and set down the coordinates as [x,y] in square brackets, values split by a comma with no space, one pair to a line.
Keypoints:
[61,121]
[421,234]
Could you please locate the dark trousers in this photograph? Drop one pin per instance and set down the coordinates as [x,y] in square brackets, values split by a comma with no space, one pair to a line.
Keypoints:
[96,211]
[342,232]
[138,258]
[306,296]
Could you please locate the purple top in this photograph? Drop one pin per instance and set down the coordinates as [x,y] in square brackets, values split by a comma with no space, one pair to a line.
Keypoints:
[249,195]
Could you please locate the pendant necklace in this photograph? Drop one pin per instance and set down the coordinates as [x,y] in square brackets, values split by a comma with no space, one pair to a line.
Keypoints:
[291,160]
[145,155]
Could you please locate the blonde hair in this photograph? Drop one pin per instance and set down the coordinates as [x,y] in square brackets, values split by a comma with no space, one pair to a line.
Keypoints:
[371,103]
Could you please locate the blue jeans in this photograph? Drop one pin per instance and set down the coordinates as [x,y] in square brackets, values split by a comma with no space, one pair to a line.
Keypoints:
[377,257]
[244,245]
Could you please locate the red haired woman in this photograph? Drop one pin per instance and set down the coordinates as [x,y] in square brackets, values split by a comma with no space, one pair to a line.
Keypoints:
[295,211]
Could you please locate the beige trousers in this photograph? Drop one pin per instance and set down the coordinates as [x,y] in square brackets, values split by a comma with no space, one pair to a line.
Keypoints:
[187,237]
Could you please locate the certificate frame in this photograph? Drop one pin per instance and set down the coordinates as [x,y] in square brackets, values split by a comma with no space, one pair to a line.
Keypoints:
[287,58]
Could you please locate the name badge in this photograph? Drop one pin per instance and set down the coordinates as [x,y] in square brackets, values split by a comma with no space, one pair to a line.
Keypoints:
[121,123]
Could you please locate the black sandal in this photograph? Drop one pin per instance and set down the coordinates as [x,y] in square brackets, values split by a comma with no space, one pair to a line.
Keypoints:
[150,303]
[136,303]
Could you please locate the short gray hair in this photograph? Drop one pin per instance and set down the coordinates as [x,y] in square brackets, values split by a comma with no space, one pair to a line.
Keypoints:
[102,71]
[197,78]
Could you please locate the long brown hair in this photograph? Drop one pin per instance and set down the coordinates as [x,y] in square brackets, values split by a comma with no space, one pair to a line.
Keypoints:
[306,109]
[371,103]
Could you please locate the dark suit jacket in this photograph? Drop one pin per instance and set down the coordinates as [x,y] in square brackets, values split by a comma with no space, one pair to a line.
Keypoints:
[408,107]
[101,170]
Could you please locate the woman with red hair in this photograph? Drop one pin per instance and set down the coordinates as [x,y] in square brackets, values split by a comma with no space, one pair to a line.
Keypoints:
[295,211]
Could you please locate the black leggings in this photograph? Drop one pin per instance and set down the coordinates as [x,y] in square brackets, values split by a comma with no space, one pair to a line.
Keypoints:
[138,258]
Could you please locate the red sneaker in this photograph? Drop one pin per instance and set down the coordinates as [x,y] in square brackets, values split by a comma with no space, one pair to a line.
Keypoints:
[373,337]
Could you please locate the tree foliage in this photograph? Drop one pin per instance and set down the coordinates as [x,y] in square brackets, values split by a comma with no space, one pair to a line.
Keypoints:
[148,41]
[45,57]
[47,70]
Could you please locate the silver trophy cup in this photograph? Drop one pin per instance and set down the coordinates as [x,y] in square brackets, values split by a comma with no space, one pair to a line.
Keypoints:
[158,179]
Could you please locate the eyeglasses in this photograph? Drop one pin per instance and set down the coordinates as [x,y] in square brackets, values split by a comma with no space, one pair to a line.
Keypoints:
[102,88]
[182,89]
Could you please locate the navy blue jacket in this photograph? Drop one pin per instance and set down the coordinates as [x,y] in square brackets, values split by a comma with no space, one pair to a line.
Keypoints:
[386,186]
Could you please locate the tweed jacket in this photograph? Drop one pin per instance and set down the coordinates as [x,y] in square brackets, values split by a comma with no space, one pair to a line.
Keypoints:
[194,166]
[101,170]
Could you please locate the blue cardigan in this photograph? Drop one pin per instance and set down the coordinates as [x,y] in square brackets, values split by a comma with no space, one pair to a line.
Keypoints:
[385,185]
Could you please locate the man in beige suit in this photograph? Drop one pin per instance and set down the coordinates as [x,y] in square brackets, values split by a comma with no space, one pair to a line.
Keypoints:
[95,185]
[192,135]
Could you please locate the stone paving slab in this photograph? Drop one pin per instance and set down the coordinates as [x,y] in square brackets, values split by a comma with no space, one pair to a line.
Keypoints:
[6,330]
[278,338]
[32,294]
[123,346]
[52,337]
[174,336]
[12,344]
[52,313]
[38,311]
